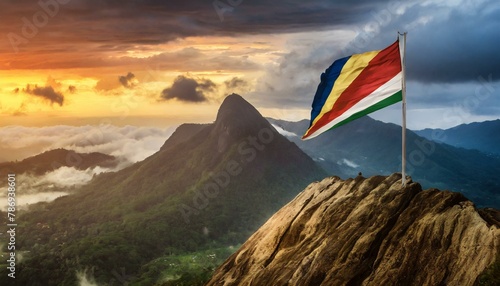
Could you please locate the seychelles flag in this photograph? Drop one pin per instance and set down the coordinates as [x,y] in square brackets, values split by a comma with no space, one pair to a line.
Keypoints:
[355,86]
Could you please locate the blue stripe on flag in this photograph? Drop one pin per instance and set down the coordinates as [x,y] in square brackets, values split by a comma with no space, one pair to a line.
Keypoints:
[328,79]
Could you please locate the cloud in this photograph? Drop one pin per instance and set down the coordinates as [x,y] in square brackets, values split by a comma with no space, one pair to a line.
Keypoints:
[107,83]
[165,22]
[23,201]
[53,83]
[128,81]
[47,92]
[154,22]
[348,163]
[69,176]
[456,47]
[189,89]
[236,83]
[292,79]
[128,143]
[284,132]
[448,43]
[50,186]
[72,89]
[21,111]
[85,279]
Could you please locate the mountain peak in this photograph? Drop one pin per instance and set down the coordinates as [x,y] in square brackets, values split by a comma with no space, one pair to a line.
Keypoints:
[367,232]
[237,119]
[234,100]
[236,108]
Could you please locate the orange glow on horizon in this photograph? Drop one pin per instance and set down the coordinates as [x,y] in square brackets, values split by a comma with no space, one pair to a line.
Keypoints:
[88,78]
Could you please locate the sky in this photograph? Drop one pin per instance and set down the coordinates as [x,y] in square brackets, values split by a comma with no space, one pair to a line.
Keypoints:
[160,63]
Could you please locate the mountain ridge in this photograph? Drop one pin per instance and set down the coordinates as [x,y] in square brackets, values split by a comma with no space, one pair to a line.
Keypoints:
[482,136]
[53,159]
[373,147]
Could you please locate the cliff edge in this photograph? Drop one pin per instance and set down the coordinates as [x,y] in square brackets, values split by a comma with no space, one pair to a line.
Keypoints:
[368,231]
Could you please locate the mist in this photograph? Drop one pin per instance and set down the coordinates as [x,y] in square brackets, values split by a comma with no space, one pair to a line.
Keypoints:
[128,143]
[84,280]
[284,132]
[63,181]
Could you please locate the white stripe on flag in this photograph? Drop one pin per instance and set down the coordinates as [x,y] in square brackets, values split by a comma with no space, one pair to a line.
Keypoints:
[383,92]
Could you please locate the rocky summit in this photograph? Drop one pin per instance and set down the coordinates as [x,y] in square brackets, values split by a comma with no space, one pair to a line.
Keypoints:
[368,231]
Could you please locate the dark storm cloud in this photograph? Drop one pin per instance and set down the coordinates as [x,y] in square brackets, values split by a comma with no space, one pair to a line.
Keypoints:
[457,44]
[454,44]
[477,98]
[201,17]
[155,21]
[128,81]
[451,51]
[188,89]
[47,92]
[458,48]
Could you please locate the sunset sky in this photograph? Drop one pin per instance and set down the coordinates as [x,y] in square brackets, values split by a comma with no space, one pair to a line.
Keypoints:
[159,63]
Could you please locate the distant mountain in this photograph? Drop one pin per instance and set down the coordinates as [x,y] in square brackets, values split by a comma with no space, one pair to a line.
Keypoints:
[370,232]
[482,136]
[373,147]
[43,177]
[209,186]
[54,159]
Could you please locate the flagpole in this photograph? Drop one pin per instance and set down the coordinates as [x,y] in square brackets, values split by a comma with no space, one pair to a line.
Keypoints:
[403,93]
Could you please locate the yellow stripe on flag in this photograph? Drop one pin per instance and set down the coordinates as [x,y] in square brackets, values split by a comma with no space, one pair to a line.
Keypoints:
[351,70]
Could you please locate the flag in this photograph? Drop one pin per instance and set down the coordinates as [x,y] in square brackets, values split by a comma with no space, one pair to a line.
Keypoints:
[355,86]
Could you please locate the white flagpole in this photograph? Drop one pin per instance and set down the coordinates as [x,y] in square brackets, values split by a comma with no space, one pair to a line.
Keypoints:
[403,93]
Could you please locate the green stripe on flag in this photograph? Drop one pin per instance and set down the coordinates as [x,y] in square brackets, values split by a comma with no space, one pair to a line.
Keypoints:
[395,98]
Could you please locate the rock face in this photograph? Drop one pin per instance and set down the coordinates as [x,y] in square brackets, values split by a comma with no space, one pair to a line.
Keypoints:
[367,232]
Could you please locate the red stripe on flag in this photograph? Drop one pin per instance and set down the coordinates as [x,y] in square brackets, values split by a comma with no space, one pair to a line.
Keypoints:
[383,67]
